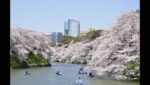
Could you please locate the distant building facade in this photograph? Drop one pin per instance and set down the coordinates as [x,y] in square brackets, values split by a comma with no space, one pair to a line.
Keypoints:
[56,37]
[66,28]
[72,28]
[53,37]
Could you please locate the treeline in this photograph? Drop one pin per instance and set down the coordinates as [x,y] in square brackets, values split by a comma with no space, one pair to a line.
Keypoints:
[89,36]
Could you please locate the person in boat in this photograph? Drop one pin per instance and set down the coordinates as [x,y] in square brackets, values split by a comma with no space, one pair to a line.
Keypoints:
[59,73]
[27,73]
[91,74]
[79,81]
[81,71]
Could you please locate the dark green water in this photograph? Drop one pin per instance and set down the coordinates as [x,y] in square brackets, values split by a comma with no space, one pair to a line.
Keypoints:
[47,76]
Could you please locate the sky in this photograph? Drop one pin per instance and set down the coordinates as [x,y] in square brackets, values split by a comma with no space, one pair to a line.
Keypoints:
[48,16]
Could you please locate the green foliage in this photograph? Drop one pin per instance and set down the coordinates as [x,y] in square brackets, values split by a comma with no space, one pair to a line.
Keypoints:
[90,35]
[14,61]
[59,44]
[24,64]
[32,60]
[93,34]
[36,59]
[76,39]
[132,66]
[52,44]
[67,39]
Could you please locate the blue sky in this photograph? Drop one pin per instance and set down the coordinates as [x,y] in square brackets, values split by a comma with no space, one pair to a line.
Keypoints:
[49,15]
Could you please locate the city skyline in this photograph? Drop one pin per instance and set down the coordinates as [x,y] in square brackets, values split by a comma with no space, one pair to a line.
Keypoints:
[49,15]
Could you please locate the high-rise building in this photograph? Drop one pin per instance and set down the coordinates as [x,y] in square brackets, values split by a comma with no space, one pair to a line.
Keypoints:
[66,28]
[56,37]
[72,28]
[53,37]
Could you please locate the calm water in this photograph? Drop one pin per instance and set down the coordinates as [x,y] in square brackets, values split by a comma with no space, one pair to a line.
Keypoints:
[47,76]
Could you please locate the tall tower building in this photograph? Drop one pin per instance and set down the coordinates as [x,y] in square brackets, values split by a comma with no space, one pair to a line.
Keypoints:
[72,28]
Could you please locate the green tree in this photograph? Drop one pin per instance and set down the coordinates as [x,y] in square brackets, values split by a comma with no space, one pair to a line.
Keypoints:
[52,44]
[67,39]
[76,39]
[93,34]
[24,64]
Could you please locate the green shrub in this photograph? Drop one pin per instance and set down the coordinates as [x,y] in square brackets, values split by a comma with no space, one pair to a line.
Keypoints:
[52,44]
[36,59]
[132,66]
[14,61]
[24,64]
[93,34]
[67,39]
[32,60]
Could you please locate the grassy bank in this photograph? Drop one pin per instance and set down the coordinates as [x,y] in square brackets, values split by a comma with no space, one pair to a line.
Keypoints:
[31,61]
